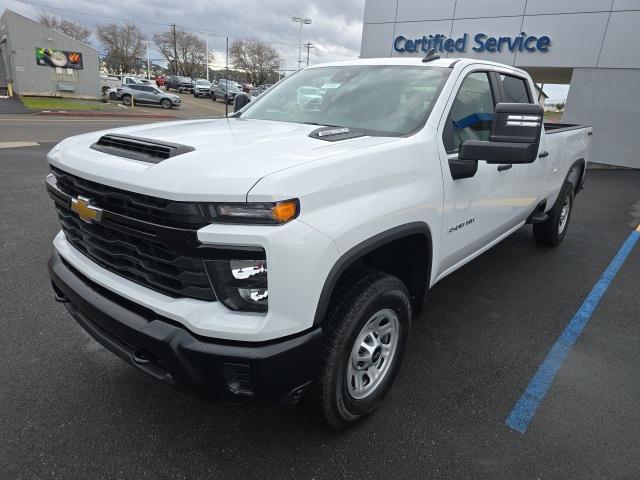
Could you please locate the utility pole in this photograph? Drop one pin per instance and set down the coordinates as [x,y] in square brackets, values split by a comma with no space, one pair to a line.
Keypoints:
[206,61]
[148,61]
[175,50]
[226,74]
[309,46]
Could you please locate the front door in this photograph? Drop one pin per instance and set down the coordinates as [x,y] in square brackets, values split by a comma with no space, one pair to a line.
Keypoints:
[477,210]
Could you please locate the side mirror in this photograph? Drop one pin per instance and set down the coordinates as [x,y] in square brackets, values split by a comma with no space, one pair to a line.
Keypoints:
[515,136]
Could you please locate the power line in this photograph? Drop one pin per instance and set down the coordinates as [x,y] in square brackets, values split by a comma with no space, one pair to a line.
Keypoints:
[48,7]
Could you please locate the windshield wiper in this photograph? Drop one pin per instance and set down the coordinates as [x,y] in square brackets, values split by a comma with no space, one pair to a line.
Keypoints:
[323,124]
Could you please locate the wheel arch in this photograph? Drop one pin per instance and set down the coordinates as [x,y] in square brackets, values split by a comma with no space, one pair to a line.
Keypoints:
[576,174]
[391,251]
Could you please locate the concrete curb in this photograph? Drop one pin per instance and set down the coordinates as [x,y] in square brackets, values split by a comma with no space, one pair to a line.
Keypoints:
[101,114]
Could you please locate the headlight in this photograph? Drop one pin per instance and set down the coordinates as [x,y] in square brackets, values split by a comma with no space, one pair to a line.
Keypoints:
[241,285]
[275,213]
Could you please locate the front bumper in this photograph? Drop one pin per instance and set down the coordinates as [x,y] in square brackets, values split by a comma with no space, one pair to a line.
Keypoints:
[270,373]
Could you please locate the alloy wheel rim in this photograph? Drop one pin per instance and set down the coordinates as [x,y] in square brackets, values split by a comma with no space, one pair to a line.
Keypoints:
[564,215]
[373,353]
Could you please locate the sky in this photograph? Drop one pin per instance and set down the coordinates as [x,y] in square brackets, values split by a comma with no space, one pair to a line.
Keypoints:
[335,31]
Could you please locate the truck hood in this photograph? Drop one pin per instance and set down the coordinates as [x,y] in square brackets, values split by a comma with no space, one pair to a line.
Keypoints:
[230,156]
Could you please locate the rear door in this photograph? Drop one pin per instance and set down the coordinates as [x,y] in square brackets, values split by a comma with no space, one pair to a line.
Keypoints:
[527,181]
[477,210]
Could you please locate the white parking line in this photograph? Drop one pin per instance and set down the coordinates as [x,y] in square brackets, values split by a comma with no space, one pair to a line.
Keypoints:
[18,144]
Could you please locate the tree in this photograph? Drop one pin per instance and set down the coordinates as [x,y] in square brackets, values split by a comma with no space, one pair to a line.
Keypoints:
[67,27]
[185,52]
[560,106]
[123,45]
[259,60]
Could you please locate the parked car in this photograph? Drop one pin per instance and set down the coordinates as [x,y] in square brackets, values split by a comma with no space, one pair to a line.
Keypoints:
[226,92]
[259,90]
[110,92]
[147,95]
[108,82]
[131,80]
[289,249]
[178,83]
[224,81]
[202,88]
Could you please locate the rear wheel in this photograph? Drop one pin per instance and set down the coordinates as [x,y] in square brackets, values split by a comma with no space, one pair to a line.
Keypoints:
[165,103]
[366,334]
[551,232]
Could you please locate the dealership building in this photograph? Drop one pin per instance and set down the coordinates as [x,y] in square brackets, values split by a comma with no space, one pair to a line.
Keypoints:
[588,44]
[36,60]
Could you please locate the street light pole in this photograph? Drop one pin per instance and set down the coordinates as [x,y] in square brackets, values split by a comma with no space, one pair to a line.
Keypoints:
[301,21]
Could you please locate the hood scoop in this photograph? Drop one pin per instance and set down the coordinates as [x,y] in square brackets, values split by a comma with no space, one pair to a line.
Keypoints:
[139,148]
[334,134]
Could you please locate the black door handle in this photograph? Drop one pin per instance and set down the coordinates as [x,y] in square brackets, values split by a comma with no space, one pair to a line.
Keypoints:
[543,154]
[504,167]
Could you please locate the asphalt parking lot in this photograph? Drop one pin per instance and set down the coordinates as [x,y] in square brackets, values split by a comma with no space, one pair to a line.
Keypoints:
[71,409]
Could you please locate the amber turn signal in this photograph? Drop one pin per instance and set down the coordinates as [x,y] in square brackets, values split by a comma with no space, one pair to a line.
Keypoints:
[282,212]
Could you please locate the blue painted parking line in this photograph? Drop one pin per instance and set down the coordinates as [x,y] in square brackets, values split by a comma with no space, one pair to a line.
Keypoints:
[528,403]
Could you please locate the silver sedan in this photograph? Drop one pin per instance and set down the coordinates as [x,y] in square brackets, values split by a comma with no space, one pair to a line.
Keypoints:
[147,95]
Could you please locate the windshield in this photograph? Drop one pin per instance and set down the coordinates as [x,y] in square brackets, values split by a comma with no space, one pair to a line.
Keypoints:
[389,100]
[203,82]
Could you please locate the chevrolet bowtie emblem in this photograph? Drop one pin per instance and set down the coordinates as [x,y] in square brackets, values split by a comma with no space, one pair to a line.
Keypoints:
[87,212]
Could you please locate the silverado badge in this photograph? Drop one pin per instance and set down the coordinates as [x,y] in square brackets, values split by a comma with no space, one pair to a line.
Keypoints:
[87,212]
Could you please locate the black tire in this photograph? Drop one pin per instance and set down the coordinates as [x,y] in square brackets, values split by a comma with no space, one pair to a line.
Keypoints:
[126,99]
[112,95]
[165,103]
[551,232]
[363,294]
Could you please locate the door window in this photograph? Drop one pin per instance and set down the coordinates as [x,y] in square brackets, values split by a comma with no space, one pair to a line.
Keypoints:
[471,114]
[514,89]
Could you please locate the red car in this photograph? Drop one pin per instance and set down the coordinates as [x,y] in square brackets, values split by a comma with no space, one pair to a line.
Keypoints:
[160,81]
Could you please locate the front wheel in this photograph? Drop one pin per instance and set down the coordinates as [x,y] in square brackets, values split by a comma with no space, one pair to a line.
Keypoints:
[165,103]
[551,232]
[126,99]
[366,334]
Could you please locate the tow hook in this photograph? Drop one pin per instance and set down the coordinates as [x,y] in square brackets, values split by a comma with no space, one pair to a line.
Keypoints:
[142,357]
[60,298]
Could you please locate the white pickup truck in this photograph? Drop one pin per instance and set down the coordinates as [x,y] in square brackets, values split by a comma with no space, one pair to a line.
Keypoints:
[283,252]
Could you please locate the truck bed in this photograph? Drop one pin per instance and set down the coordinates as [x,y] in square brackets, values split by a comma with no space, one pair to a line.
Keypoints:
[552,127]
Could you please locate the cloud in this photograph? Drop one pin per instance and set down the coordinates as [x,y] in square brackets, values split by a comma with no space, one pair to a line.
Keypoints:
[335,32]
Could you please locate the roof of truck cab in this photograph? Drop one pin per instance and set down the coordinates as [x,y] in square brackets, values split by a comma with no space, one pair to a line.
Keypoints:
[417,61]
